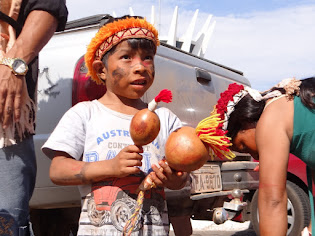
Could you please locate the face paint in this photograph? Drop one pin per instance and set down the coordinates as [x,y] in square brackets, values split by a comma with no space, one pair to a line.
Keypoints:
[118,75]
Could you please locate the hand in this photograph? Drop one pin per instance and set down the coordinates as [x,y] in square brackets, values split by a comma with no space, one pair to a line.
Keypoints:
[127,161]
[167,177]
[11,87]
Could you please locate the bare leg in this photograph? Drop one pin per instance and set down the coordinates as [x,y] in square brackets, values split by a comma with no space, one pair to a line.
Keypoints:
[181,225]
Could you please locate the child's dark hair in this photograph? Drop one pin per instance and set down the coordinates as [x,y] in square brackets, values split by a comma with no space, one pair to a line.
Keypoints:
[134,43]
[248,111]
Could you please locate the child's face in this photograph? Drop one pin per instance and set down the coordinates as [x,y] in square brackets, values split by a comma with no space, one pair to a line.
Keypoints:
[130,71]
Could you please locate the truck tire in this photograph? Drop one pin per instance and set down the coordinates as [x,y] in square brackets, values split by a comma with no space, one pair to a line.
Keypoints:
[95,216]
[121,211]
[298,210]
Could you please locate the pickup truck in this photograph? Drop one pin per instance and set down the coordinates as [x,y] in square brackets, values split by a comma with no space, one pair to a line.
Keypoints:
[218,191]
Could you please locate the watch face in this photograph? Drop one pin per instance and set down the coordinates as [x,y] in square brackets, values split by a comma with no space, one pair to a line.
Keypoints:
[19,66]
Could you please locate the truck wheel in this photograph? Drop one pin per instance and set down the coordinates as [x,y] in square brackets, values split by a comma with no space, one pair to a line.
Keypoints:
[298,210]
[95,215]
[121,211]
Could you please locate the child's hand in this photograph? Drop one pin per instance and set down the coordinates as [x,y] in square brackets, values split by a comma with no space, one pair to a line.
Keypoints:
[127,161]
[166,177]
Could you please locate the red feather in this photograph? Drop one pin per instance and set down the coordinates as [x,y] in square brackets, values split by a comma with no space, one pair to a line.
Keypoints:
[164,96]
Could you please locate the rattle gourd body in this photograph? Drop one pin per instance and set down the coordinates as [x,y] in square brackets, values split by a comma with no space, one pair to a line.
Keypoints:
[144,127]
[184,151]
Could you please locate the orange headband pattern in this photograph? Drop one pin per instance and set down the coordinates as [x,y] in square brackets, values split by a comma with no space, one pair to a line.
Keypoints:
[113,33]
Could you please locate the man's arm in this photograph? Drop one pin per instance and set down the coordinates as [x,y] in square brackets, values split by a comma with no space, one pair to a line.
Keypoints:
[39,27]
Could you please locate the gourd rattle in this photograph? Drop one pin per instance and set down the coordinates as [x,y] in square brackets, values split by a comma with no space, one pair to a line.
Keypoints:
[144,128]
[186,149]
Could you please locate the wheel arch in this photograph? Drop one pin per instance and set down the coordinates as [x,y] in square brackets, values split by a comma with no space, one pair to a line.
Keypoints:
[294,179]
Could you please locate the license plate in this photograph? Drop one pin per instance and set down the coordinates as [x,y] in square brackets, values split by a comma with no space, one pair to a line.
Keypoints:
[206,179]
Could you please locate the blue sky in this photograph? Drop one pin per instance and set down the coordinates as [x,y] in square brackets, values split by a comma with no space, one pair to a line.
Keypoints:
[268,40]
[239,7]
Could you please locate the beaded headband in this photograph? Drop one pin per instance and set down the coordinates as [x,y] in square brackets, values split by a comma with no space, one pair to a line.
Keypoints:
[235,92]
[112,34]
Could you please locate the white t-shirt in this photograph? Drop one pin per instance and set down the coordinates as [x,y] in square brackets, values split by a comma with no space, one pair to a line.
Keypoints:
[91,132]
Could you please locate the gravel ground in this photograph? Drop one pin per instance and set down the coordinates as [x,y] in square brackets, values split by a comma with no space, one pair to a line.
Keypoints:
[229,228]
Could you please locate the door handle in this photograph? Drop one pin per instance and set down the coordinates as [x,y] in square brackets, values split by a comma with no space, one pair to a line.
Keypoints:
[203,77]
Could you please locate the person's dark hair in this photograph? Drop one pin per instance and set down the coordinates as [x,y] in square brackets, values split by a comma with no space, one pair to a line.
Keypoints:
[307,92]
[248,111]
[135,43]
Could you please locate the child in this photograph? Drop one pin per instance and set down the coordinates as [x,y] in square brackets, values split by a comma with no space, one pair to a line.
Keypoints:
[91,146]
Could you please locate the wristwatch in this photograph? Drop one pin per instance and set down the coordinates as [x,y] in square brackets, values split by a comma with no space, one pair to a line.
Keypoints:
[17,65]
